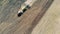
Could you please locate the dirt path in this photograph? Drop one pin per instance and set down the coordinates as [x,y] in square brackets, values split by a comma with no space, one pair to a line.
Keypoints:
[50,23]
[10,23]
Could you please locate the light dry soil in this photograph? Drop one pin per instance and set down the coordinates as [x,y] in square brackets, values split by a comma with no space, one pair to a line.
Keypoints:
[50,22]
[10,23]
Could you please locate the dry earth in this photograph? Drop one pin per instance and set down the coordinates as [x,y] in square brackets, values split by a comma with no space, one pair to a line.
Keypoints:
[10,23]
[50,22]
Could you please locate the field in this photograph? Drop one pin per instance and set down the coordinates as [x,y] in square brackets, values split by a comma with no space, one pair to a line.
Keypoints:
[10,23]
[50,22]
